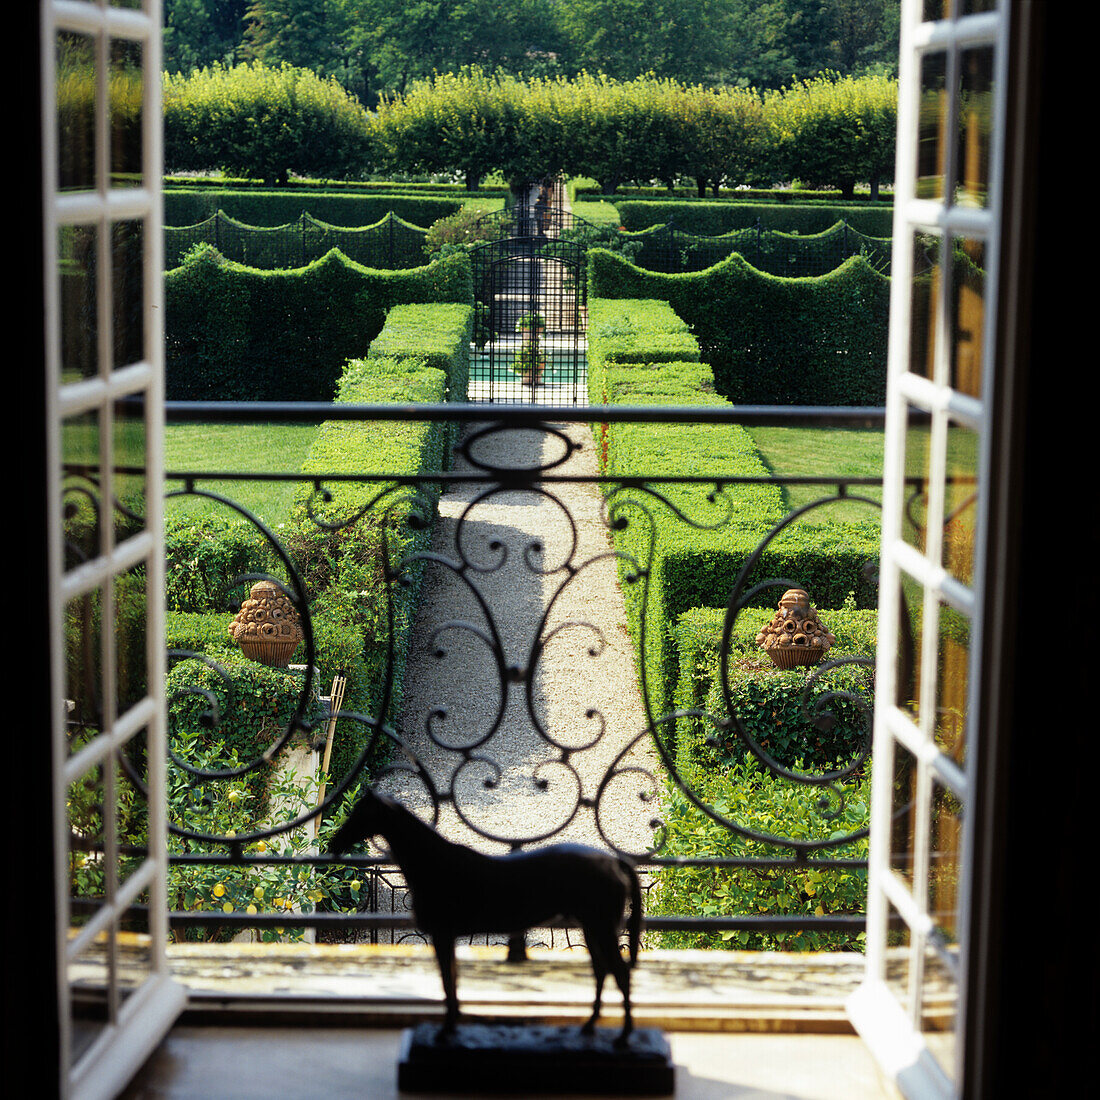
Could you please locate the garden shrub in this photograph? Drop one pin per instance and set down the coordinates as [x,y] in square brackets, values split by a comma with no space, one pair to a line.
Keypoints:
[338,647]
[205,556]
[238,710]
[749,795]
[388,243]
[772,340]
[645,334]
[768,701]
[238,333]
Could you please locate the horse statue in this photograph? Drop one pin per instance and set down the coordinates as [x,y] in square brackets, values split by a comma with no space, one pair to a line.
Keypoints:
[456,891]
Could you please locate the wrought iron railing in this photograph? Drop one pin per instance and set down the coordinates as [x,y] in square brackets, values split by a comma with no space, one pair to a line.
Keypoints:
[459,769]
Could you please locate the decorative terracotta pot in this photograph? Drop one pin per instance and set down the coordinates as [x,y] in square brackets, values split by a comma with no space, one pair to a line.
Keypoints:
[267,628]
[795,637]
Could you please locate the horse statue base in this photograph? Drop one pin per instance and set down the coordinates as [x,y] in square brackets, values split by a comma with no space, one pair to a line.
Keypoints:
[533,1059]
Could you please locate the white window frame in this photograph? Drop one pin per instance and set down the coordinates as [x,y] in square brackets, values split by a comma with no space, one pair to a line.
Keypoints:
[137,1016]
[893,1030]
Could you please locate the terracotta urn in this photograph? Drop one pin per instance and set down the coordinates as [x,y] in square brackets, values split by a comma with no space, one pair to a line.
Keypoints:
[795,636]
[267,627]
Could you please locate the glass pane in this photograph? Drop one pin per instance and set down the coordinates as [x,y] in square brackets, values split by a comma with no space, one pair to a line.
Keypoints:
[932,127]
[88,886]
[131,638]
[961,501]
[132,823]
[967,316]
[939,1009]
[904,815]
[130,465]
[89,976]
[975,126]
[952,683]
[76,97]
[898,964]
[128,292]
[77,246]
[923,297]
[910,596]
[915,515]
[943,873]
[82,508]
[125,92]
[135,953]
[83,662]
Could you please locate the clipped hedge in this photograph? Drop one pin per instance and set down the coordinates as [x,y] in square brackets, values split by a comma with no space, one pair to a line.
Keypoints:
[437,333]
[634,332]
[768,701]
[269,207]
[238,333]
[716,218]
[693,564]
[205,556]
[344,569]
[341,570]
[772,340]
[389,243]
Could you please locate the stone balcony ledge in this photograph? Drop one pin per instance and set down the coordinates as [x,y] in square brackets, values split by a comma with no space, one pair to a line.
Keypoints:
[395,986]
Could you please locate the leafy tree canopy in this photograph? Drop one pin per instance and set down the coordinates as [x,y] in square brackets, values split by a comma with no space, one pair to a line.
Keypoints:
[379,47]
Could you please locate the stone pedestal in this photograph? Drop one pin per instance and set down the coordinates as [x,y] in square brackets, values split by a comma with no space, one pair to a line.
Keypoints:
[533,1060]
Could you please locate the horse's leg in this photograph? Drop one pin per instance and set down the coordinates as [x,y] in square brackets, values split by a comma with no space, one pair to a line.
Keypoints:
[445,956]
[599,971]
[604,942]
[621,969]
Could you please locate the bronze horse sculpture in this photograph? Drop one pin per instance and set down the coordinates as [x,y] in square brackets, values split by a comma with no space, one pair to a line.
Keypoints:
[456,891]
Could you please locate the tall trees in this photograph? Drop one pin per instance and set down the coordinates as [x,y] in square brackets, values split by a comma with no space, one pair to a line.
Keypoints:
[836,131]
[686,40]
[199,33]
[255,120]
[833,131]
[383,46]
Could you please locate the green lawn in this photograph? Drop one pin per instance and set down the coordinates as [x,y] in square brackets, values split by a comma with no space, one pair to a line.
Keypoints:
[238,448]
[815,452]
[801,452]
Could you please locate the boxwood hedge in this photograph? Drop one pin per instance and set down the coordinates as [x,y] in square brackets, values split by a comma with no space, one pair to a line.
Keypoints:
[772,340]
[238,333]
[688,544]
[258,206]
[715,218]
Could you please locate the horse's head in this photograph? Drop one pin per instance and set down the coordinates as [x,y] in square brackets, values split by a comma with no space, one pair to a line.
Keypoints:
[367,819]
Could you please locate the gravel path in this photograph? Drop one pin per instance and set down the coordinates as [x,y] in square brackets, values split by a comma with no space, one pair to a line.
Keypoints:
[522,761]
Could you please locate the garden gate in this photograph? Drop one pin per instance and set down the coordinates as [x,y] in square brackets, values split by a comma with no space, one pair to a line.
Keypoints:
[529,296]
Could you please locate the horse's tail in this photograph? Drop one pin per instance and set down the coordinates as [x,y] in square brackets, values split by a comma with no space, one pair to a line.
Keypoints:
[634,925]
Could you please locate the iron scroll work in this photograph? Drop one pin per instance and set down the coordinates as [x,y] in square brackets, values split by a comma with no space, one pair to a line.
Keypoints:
[703,502]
